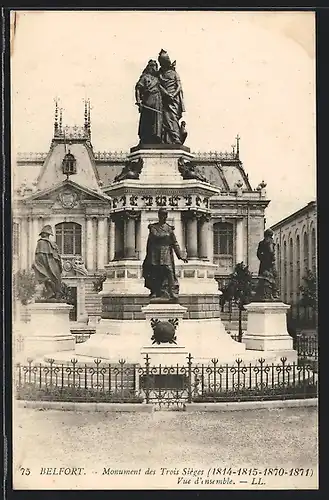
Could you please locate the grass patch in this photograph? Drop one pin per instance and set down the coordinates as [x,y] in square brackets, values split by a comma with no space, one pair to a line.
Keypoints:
[300,391]
[29,392]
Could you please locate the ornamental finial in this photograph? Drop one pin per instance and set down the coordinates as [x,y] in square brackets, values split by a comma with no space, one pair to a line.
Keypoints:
[56,117]
[238,146]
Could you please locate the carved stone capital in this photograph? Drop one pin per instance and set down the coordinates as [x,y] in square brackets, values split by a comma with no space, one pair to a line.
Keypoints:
[203,217]
[131,214]
[190,214]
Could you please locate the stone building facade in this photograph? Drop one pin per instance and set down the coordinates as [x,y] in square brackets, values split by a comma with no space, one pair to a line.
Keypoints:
[90,231]
[295,240]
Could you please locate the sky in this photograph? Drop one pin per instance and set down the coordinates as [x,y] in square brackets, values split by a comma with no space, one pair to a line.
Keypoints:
[246,73]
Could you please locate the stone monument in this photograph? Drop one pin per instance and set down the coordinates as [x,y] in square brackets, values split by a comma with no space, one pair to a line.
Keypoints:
[160,210]
[49,329]
[267,315]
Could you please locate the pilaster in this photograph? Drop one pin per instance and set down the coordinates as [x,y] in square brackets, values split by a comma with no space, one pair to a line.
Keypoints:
[89,244]
[101,242]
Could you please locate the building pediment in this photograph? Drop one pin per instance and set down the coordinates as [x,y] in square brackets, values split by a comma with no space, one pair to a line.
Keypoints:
[67,195]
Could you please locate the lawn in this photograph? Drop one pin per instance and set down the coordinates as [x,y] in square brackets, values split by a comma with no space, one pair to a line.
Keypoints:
[285,438]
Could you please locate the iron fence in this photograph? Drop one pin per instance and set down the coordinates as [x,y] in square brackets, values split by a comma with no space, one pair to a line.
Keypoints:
[74,381]
[301,317]
[164,386]
[305,345]
[307,350]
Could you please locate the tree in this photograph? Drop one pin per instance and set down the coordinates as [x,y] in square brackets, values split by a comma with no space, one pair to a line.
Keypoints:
[239,290]
[309,291]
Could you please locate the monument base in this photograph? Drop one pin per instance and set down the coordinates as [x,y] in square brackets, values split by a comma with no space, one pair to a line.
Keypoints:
[165,355]
[48,330]
[267,329]
[170,351]
[130,340]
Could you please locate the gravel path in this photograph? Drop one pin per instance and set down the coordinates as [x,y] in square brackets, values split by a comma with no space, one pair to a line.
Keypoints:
[267,438]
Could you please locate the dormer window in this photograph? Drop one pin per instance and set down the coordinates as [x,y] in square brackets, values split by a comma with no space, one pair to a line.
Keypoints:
[69,164]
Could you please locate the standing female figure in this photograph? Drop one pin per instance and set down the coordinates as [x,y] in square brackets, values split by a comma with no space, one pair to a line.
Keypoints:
[172,99]
[149,102]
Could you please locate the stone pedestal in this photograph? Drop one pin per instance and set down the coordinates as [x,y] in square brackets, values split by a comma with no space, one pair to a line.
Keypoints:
[165,353]
[204,338]
[267,329]
[48,330]
[160,165]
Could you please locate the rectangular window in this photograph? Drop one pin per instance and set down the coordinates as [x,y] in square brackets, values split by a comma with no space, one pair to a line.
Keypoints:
[223,238]
[68,238]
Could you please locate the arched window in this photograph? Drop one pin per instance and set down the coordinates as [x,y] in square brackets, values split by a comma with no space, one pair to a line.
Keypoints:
[313,240]
[15,238]
[68,238]
[223,238]
[298,264]
[285,271]
[291,268]
[305,252]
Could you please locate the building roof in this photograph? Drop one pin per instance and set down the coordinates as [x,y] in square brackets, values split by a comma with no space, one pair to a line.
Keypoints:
[35,172]
[51,171]
[96,170]
[310,207]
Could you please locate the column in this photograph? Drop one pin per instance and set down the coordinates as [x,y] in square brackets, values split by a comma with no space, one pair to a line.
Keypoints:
[211,242]
[111,240]
[145,220]
[31,247]
[35,233]
[129,242]
[239,241]
[192,236]
[138,238]
[177,223]
[41,224]
[119,236]
[89,244]
[100,242]
[203,236]
[33,238]
[23,251]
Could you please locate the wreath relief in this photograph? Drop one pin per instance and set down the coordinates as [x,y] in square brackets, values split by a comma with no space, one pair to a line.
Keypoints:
[164,331]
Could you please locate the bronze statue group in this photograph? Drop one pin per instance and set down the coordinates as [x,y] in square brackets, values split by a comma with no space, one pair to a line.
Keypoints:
[159,97]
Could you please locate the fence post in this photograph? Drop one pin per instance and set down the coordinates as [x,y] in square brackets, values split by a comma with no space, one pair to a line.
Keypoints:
[121,363]
[283,361]
[136,379]
[214,362]
[189,370]
[29,370]
[147,375]
[51,368]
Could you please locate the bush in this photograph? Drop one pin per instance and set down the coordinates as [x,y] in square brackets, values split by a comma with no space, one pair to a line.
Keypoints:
[24,286]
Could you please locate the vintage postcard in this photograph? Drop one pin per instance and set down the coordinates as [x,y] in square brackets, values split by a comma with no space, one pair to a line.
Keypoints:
[164,223]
